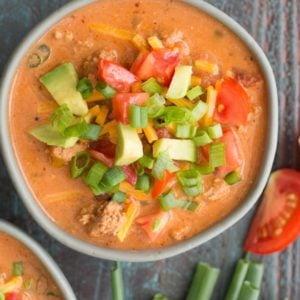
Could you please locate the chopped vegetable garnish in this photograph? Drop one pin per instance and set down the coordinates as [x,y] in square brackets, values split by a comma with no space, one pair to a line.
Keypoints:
[119,197]
[79,164]
[92,133]
[61,118]
[85,87]
[152,87]
[215,131]
[160,296]
[146,162]
[77,130]
[155,42]
[202,138]
[195,92]
[117,282]
[232,178]
[185,131]
[143,183]
[163,163]
[211,100]
[168,201]
[138,116]
[18,268]
[198,111]
[180,82]
[113,177]
[217,155]
[95,174]
[106,90]
[204,281]
[174,114]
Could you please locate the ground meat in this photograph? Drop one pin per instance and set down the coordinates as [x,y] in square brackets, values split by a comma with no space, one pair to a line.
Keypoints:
[245,78]
[180,233]
[103,217]
[162,132]
[218,189]
[66,154]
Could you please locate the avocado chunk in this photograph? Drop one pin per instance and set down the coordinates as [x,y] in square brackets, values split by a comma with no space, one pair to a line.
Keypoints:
[48,135]
[177,149]
[129,147]
[61,83]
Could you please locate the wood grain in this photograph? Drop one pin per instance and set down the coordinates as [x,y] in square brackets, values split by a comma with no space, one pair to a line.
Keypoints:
[275,25]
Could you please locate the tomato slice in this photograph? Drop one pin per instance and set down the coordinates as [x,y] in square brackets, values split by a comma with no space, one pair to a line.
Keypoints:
[159,63]
[277,220]
[130,174]
[13,296]
[155,224]
[160,185]
[233,104]
[116,76]
[120,103]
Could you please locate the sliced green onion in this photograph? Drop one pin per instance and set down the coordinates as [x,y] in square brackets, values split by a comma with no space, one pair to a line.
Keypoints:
[193,190]
[85,87]
[188,178]
[176,114]
[232,178]
[205,169]
[185,131]
[237,280]
[101,189]
[198,112]
[248,292]
[155,106]
[202,138]
[151,86]
[203,283]
[217,155]
[146,162]
[95,174]
[61,118]
[180,82]
[113,177]
[138,116]
[169,201]
[106,90]
[92,132]
[159,296]
[255,274]
[79,163]
[77,130]
[117,282]
[18,268]
[27,284]
[143,183]
[195,92]
[215,131]
[119,197]
[162,163]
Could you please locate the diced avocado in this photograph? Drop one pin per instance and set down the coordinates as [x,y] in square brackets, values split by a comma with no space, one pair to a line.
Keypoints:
[129,147]
[48,135]
[61,83]
[177,149]
[180,82]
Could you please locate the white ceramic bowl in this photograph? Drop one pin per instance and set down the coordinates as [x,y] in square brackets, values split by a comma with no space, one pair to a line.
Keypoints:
[43,256]
[146,255]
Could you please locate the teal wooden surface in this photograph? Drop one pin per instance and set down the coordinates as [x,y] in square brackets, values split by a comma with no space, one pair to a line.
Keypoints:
[275,25]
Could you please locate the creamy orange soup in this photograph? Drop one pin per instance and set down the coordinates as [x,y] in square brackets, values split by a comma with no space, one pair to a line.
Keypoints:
[22,276]
[69,202]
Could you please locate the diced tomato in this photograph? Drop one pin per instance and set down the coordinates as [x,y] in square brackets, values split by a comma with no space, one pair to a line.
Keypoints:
[277,221]
[130,174]
[109,162]
[155,224]
[160,185]
[116,76]
[159,63]
[14,296]
[233,104]
[233,152]
[121,102]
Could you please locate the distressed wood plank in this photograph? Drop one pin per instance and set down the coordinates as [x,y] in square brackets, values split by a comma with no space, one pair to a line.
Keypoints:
[275,25]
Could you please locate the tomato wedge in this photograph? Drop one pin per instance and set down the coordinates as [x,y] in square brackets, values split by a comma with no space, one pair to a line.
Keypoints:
[277,220]
[116,76]
[159,63]
[233,104]
[160,185]
[155,224]
[121,102]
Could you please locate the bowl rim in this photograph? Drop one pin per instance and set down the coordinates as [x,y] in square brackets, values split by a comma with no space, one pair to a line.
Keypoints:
[153,254]
[49,263]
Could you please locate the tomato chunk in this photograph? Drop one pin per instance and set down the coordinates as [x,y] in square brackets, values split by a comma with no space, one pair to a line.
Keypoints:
[277,221]
[160,185]
[116,76]
[130,174]
[13,296]
[121,102]
[232,104]
[159,63]
[154,224]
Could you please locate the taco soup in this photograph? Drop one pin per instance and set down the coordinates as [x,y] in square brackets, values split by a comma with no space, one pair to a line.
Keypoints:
[138,124]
